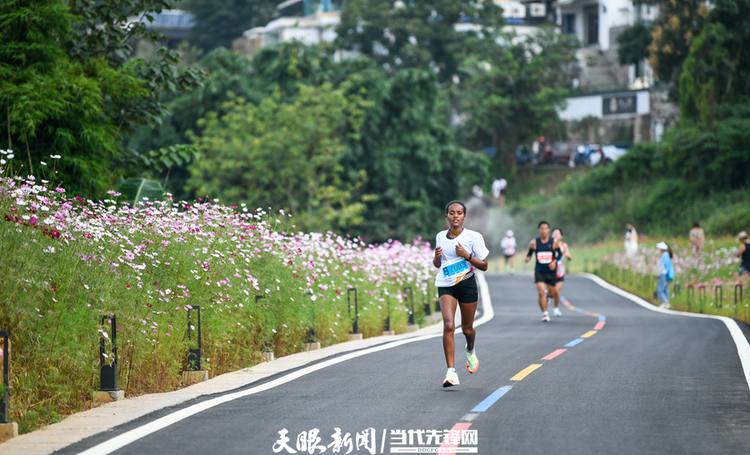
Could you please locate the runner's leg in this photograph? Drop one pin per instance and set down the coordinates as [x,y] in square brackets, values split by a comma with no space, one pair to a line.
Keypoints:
[468,310]
[558,287]
[542,297]
[448,308]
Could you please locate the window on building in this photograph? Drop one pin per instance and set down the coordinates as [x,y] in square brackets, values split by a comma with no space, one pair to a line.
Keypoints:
[569,24]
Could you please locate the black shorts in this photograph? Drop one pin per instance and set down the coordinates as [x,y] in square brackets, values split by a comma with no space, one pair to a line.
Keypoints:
[502,192]
[549,278]
[465,292]
[560,279]
[508,256]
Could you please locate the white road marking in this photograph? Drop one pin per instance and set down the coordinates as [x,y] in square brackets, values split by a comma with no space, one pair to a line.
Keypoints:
[135,434]
[743,347]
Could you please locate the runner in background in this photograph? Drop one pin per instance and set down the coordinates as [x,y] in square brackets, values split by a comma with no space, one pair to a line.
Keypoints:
[557,234]
[508,244]
[496,188]
[458,253]
[546,250]
[503,190]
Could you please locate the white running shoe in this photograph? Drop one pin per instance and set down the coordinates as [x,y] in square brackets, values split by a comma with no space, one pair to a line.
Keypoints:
[451,379]
[665,305]
[557,312]
[545,317]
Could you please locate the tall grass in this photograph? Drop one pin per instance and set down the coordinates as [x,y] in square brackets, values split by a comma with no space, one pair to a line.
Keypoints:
[66,262]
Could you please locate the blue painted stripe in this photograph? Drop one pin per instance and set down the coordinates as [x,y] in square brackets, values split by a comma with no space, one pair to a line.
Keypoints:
[490,400]
[602,318]
[574,342]
[580,310]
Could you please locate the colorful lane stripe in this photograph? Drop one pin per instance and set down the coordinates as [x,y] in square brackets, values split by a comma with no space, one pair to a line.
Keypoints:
[490,400]
[553,354]
[446,448]
[525,372]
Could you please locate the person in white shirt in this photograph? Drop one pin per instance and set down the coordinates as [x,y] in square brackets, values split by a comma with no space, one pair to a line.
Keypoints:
[499,187]
[631,241]
[508,244]
[458,253]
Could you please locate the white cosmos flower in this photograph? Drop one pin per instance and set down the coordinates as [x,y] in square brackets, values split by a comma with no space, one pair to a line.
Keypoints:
[43,163]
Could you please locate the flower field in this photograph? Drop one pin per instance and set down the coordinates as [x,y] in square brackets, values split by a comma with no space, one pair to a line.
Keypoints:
[67,262]
[705,282]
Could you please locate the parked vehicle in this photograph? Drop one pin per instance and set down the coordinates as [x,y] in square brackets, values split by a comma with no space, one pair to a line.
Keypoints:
[581,154]
[560,153]
[524,156]
[609,153]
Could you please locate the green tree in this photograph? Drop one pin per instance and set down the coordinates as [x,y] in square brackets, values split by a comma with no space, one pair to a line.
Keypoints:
[284,155]
[512,92]
[417,33]
[633,44]
[217,23]
[68,88]
[672,34]
[718,66]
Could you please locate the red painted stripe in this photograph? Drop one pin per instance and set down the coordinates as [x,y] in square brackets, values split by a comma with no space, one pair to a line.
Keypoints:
[599,325]
[457,427]
[566,303]
[588,313]
[554,354]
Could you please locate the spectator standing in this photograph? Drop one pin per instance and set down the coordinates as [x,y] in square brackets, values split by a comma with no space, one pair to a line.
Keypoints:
[631,241]
[744,253]
[508,244]
[503,184]
[697,237]
[496,188]
[666,274]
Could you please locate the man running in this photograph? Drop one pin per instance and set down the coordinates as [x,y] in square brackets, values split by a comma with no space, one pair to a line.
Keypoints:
[547,250]
[459,251]
[557,234]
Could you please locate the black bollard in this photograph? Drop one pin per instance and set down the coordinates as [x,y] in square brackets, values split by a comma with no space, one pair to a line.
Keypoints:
[355,323]
[719,295]
[426,304]
[194,354]
[5,398]
[411,298]
[108,373]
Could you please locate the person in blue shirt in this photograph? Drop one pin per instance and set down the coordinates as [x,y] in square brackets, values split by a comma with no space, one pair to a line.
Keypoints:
[666,271]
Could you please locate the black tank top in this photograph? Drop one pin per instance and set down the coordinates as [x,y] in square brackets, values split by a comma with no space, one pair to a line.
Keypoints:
[544,254]
[746,257]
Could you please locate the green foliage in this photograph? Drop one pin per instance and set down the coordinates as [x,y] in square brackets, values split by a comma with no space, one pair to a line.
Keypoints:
[217,23]
[136,190]
[718,64]
[68,89]
[284,155]
[420,34]
[511,90]
[672,33]
[633,44]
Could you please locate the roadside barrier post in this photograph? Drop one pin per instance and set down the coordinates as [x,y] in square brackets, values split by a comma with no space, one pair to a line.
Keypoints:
[737,303]
[701,297]
[719,295]
[412,326]
[388,330]
[354,335]
[108,390]
[426,303]
[312,342]
[268,355]
[690,291]
[8,429]
[194,372]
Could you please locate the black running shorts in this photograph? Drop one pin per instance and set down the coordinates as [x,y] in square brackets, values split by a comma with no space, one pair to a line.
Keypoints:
[465,291]
[549,278]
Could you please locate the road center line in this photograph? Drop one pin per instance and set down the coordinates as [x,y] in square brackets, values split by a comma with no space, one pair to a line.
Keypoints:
[553,354]
[574,342]
[525,372]
[490,400]
[599,325]
[589,334]
[457,427]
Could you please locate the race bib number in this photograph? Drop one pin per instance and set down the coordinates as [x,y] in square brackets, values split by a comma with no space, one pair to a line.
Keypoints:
[544,257]
[455,269]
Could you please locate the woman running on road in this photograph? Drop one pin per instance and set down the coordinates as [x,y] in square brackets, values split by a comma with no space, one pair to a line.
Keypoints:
[557,234]
[459,251]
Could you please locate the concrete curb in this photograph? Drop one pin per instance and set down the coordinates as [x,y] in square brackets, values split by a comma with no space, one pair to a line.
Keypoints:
[88,423]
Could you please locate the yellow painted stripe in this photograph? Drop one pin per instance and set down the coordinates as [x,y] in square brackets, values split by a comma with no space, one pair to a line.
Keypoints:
[525,372]
[572,307]
[589,334]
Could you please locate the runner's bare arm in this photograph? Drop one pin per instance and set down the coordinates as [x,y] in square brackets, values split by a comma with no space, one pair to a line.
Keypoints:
[532,248]
[567,252]
[476,262]
[438,257]
[742,249]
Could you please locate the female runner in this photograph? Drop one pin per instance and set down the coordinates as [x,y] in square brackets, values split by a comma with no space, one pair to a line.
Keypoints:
[459,251]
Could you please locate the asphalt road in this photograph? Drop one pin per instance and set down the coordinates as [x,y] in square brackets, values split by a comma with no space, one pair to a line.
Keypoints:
[645,383]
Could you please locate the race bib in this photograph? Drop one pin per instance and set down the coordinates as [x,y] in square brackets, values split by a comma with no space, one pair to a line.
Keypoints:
[455,269]
[544,257]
